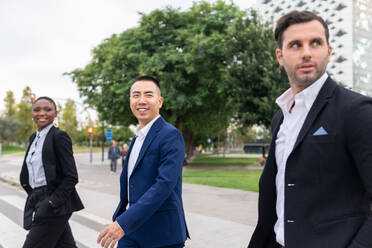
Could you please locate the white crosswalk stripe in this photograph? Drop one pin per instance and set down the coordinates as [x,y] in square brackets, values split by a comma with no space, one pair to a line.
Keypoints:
[19,203]
[84,235]
[94,218]
[15,201]
[11,231]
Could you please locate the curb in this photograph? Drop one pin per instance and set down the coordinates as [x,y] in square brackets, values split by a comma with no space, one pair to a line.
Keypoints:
[10,182]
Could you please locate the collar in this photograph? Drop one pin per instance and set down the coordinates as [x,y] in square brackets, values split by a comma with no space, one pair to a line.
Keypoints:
[44,131]
[308,95]
[141,133]
[285,100]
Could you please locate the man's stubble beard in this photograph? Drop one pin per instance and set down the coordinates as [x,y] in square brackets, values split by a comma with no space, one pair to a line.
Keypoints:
[308,80]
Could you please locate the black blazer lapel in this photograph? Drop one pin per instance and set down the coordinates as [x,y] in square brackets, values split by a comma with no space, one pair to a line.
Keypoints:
[320,102]
[24,171]
[277,121]
[48,154]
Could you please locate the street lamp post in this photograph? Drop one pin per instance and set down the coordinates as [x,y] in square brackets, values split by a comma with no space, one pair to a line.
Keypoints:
[90,132]
[32,97]
[103,140]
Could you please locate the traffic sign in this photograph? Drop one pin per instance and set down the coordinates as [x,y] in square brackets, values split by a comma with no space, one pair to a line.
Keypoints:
[109,135]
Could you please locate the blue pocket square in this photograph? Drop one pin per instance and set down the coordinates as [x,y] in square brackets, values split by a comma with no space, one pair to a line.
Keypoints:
[320,131]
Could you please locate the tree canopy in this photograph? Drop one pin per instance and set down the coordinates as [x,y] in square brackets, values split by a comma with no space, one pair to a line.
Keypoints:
[211,61]
[67,118]
[254,72]
[8,127]
[23,115]
[10,106]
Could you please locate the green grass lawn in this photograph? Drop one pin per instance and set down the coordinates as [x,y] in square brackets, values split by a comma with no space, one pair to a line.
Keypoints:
[12,149]
[208,160]
[234,179]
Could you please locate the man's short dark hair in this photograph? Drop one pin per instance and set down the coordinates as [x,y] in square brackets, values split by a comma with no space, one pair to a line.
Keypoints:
[295,17]
[48,99]
[146,78]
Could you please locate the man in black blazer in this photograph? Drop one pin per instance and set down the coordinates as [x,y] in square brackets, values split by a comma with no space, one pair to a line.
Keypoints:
[316,187]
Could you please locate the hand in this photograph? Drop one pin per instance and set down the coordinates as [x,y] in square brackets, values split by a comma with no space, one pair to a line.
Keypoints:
[111,235]
[43,209]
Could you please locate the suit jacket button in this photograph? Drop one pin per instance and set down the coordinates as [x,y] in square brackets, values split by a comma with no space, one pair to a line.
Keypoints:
[291,184]
[290,221]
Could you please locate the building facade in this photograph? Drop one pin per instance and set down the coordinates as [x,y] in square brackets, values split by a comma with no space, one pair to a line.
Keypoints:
[350,27]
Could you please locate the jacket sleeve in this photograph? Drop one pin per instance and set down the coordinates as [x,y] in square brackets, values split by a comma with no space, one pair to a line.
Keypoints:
[172,152]
[109,153]
[118,155]
[264,235]
[69,175]
[359,141]
[24,176]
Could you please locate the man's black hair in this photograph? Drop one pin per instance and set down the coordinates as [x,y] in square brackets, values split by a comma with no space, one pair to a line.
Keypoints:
[146,78]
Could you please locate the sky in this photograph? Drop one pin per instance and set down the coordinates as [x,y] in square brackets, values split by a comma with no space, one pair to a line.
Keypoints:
[42,39]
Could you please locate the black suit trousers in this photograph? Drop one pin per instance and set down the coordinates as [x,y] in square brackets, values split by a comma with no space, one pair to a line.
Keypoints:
[47,230]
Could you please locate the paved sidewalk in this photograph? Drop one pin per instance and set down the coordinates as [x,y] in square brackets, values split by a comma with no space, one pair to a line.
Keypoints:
[216,217]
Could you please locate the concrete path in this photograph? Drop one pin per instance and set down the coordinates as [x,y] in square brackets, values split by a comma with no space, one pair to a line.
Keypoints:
[216,217]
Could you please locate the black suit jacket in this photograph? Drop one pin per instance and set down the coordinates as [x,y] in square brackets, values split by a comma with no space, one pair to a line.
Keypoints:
[328,178]
[60,172]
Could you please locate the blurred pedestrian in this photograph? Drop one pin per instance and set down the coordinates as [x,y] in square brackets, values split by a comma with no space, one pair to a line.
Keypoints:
[49,177]
[114,154]
[124,151]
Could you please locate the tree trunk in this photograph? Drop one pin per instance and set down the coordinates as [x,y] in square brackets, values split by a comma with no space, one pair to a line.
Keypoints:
[190,144]
[189,140]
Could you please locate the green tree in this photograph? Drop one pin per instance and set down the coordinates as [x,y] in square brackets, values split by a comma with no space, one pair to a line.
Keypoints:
[59,114]
[255,75]
[23,115]
[191,55]
[68,120]
[246,134]
[10,106]
[122,134]
[8,128]
[184,50]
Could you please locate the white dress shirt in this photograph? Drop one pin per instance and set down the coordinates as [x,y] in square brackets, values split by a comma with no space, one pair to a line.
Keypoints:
[34,160]
[134,153]
[292,123]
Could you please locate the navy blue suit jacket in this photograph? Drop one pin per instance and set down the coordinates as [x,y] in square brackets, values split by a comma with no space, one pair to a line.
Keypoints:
[328,178]
[155,217]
